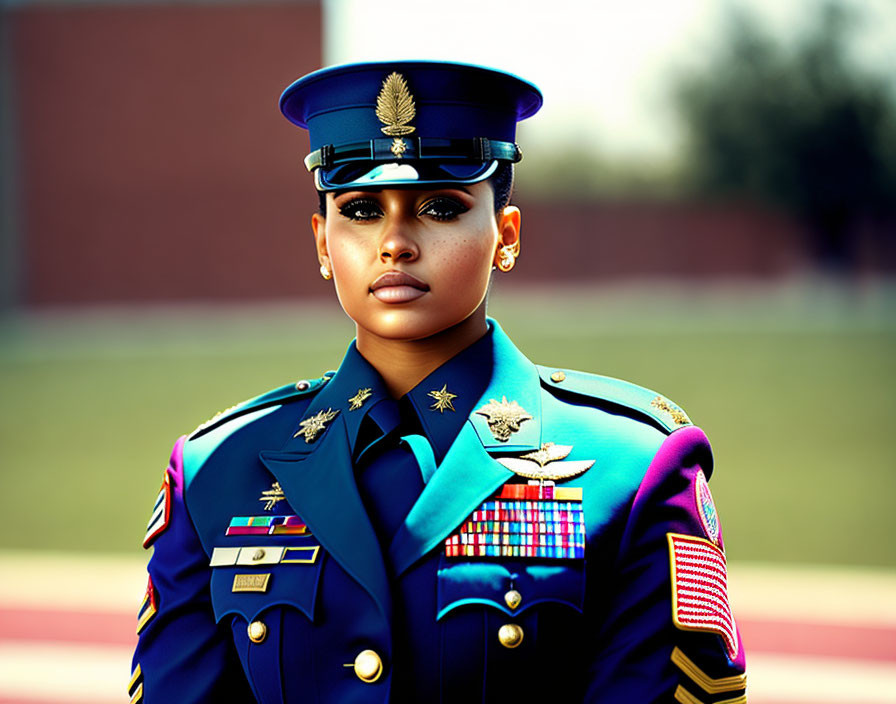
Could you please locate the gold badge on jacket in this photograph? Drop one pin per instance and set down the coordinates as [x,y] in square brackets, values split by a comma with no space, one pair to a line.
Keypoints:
[534,465]
[504,417]
[311,427]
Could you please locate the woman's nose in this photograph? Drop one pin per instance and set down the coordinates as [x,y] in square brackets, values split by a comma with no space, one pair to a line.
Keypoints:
[397,244]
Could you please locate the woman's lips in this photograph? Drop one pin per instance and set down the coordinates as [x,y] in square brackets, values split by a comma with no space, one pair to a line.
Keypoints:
[397,287]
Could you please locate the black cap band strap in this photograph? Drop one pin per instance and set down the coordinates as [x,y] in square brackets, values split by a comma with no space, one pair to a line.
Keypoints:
[478,149]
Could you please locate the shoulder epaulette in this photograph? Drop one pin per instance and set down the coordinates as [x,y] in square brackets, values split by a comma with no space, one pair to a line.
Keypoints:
[284,394]
[630,398]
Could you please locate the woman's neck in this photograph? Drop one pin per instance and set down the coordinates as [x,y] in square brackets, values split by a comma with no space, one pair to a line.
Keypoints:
[405,363]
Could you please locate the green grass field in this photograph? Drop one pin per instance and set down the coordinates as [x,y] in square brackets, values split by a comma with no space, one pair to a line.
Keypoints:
[794,386]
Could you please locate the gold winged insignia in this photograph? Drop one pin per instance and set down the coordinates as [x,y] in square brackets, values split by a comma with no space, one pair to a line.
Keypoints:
[534,465]
[395,109]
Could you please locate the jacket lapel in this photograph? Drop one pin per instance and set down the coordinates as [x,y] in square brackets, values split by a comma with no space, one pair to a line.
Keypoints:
[320,485]
[469,475]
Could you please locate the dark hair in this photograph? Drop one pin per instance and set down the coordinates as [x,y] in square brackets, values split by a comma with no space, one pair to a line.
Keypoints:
[501,180]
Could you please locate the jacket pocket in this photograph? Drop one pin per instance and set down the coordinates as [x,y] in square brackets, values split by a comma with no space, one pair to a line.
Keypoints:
[256,578]
[503,622]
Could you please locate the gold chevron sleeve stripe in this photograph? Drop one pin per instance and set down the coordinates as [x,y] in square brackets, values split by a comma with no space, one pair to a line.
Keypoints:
[707,683]
[685,697]
[138,695]
[146,616]
[134,677]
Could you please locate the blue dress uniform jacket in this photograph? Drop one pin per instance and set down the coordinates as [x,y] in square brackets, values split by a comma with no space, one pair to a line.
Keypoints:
[316,611]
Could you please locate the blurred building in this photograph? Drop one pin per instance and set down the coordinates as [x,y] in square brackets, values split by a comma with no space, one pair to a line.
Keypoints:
[144,159]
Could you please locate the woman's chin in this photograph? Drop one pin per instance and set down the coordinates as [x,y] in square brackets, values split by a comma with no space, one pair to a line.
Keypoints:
[407,324]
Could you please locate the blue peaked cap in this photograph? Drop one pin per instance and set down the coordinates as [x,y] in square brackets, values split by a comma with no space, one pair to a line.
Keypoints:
[408,122]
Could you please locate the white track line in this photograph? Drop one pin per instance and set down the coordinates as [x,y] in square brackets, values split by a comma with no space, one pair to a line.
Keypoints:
[813,594]
[783,678]
[83,582]
[64,672]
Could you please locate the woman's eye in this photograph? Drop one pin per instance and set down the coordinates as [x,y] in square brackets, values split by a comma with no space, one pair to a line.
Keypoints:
[443,208]
[361,209]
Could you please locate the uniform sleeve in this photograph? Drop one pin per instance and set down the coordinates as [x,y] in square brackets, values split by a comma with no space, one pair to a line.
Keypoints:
[668,634]
[182,655]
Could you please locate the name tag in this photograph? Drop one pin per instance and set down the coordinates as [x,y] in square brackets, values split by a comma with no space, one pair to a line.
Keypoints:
[264,555]
[251,582]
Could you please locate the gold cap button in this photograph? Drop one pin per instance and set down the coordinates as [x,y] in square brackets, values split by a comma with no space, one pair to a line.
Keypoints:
[513,598]
[510,635]
[258,554]
[368,666]
[558,376]
[257,631]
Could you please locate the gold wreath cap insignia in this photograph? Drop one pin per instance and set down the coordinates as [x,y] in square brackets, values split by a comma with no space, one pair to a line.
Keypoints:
[395,106]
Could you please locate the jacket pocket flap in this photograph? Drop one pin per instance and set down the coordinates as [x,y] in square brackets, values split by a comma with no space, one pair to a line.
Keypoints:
[463,583]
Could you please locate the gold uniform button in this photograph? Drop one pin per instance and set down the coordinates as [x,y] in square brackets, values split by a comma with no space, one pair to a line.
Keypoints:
[558,377]
[257,631]
[513,598]
[510,635]
[368,666]
[258,554]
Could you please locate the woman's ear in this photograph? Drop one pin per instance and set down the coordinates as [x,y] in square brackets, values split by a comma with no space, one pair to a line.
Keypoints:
[508,248]
[319,228]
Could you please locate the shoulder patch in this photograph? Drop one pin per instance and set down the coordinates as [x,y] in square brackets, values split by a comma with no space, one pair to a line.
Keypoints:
[706,508]
[161,513]
[643,403]
[284,394]
[700,589]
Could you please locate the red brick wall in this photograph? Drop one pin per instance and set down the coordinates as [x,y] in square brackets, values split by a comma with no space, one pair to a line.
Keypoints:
[154,162]
[597,241]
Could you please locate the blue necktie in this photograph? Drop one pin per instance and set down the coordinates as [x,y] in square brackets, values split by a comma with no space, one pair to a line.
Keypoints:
[390,476]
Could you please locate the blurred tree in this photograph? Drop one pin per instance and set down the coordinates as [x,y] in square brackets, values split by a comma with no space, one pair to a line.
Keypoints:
[797,126]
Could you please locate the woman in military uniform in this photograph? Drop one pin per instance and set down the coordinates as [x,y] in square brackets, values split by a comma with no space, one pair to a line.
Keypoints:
[439,520]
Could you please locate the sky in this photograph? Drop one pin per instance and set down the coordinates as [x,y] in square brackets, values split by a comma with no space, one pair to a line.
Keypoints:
[604,66]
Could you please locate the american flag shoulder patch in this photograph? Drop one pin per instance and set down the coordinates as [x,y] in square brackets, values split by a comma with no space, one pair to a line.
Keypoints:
[161,513]
[700,589]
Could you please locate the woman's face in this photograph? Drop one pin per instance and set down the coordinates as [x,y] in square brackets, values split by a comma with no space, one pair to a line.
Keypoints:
[410,263]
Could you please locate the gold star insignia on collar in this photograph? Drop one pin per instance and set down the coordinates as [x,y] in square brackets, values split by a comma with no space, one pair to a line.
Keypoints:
[442,399]
[356,401]
[678,416]
[534,464]
[272,496]
[504,417]
[311,427]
